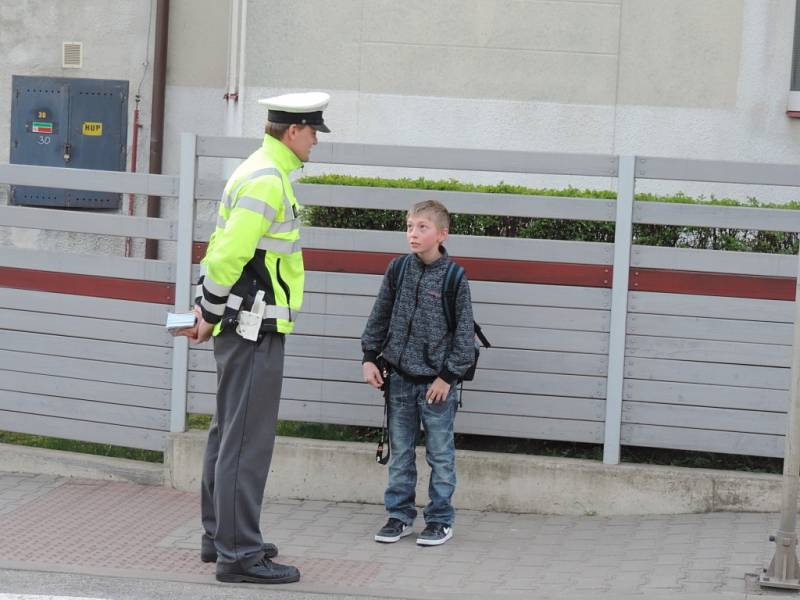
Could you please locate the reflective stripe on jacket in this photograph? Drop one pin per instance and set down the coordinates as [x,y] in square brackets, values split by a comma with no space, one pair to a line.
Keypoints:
[256,243]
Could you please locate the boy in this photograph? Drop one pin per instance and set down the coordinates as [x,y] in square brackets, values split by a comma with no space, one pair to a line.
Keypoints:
[409,328]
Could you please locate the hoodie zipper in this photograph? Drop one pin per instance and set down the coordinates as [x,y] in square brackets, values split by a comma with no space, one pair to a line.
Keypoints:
[413,314]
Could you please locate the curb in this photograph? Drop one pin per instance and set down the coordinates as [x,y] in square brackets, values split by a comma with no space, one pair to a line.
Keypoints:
[487,481]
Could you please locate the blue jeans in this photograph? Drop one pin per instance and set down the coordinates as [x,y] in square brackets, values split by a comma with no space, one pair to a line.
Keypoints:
[407,408]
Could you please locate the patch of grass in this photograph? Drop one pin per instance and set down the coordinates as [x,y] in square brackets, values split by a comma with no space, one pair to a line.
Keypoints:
[51,443]
[483,443]
[486,443]
[198,421]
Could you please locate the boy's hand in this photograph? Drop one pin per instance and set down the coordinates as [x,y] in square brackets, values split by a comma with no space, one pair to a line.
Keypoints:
[438,391]
[372,374]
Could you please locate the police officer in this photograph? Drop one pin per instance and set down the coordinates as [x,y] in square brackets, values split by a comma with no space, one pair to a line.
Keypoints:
[250,293]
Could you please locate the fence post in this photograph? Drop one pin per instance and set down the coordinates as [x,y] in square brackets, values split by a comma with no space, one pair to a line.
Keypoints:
[626,184]
[183,277]
[784,570]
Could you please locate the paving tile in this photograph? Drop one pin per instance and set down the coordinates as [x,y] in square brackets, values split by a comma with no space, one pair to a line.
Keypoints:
[492,554]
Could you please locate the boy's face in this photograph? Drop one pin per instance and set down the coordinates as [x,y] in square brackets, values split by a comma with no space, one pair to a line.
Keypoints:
[424,237]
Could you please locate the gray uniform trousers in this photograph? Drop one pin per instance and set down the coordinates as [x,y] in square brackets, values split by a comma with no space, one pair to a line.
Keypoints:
[240,444]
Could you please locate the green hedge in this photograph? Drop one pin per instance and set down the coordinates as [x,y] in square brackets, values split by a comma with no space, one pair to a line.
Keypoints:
[710,238]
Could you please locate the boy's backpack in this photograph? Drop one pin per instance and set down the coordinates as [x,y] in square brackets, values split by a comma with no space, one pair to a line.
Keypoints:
[450,283]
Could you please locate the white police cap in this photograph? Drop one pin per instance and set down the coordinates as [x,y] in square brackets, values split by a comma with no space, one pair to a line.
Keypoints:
[302,109]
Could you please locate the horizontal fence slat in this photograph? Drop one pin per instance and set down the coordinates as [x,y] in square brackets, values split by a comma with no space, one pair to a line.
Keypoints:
[699,394]
[711,284]
[702,417]
[494,358]
[327,412]
[92,370]
[703,440]
[552,384]
[84,327]
[454,159]
[715,261]
[744,309]
[76,429]
[458,246]
[685,371]
[82,389]
[71,304]
[533,405]
[94,349]
[702,328]
[486,314]
[82,222]
[507,293]
[526,338]
[719,171]
[770,355]
[89,179]
[530,427]
[92,412]
[468,203]
[674,213]
[116,267]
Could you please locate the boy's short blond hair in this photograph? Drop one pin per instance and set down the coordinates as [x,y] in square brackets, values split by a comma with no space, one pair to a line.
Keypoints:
[435,211]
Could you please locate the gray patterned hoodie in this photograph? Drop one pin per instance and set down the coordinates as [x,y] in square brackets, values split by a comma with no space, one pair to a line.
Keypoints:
[411,330]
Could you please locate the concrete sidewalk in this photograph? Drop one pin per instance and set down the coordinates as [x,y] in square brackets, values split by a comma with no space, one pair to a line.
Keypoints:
[56,524]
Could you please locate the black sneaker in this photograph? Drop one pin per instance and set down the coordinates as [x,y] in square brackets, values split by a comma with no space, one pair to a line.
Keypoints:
[393,531]
[434,534]
[264,571]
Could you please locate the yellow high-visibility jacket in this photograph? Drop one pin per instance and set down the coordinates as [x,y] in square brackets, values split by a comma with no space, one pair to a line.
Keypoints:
[256,243]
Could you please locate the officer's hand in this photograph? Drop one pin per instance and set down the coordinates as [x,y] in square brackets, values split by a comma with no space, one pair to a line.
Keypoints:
[203,332]
[438,391]
[372,375]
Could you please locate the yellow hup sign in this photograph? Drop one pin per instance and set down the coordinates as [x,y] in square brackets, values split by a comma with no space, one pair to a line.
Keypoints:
[92,128]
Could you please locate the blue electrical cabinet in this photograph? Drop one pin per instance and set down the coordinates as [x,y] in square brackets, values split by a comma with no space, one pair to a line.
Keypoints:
[68,122]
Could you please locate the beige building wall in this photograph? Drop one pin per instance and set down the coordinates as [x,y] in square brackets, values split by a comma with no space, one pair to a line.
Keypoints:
[689,78]
[705,79]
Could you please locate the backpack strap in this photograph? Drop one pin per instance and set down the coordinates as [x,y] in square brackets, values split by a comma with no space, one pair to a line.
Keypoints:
[481,337]
[398,271]
[452,279]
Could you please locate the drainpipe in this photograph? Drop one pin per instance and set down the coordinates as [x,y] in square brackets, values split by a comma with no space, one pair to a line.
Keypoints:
[234,76]
[134,154]
[157,120]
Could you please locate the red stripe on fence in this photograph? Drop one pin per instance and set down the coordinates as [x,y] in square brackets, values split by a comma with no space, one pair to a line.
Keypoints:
[88,285]
[478,269]
[712,284]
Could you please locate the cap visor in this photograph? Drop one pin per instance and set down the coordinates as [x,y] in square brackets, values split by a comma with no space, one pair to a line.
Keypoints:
[323,128]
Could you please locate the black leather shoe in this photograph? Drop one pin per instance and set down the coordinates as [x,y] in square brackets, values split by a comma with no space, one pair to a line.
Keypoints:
[264,571]
[210,555]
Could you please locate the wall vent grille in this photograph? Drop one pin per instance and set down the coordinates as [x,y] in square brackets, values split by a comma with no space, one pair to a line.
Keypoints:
[72,55]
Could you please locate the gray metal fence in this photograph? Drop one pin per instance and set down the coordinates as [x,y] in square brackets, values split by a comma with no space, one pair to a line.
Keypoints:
[602,343]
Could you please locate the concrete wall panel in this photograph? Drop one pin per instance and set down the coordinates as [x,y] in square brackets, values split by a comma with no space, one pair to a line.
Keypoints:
[680,53]
[488,73]
[557,26]
[309,44]
[197,52]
